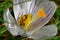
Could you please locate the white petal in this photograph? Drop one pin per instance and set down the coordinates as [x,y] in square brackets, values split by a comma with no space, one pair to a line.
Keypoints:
[29,3]
[20,8]
[35,3]
[11,25]
[45,33]
[17,9]
[49,8]
[8,17]
[25,8]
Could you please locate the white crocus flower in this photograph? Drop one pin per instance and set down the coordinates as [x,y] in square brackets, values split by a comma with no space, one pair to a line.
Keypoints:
[36,29]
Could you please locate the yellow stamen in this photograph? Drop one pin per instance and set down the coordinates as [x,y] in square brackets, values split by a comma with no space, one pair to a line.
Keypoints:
[24,21]
[27,22]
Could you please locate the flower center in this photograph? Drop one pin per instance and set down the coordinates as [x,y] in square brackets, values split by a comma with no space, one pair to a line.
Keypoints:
[25,20]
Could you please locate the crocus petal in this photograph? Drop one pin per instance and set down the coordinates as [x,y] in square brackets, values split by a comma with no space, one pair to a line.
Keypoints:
[35,3]
[11,24]
[49,8]
[44,33]
[29,4]
[17,9]
[8,17]
[20,8]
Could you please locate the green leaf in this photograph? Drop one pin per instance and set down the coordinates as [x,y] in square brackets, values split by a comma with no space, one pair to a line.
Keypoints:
[55,38]
[58,12]
[2,30]
[5,5]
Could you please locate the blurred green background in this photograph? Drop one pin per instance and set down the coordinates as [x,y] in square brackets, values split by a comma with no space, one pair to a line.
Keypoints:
[5,35]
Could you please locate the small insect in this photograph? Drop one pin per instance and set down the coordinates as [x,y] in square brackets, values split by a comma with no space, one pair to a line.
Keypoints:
[24,20]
